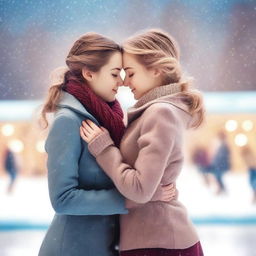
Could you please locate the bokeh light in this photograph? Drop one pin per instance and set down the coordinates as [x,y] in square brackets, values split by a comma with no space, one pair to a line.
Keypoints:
[7,130]
[16,145]
[241,140]
[231,125]
[247,125]
[40,146]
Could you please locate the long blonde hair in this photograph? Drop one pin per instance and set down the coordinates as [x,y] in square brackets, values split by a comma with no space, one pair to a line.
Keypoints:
[157,49]
[92,51]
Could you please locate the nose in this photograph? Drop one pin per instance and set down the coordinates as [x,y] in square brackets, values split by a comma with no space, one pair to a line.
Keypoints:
[120,82]
[126,81]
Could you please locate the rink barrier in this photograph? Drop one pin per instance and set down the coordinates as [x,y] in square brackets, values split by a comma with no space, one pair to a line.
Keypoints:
[16,225]
[225,220]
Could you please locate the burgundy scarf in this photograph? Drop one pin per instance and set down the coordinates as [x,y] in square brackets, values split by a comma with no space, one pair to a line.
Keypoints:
[109,115]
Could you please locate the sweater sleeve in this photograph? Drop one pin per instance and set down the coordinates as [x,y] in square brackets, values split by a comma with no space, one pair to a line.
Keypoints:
[139,182]
[64,147]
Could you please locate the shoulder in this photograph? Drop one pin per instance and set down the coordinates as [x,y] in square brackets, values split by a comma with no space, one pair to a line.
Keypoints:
[65,122]
[160,110]
[64,131]
[160,118]
[67,114]
[67,118]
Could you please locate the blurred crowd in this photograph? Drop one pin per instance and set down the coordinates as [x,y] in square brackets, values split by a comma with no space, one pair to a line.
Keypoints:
[213,162]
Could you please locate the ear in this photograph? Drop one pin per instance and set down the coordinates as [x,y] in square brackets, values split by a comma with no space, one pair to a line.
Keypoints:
[87,74]
[156,72]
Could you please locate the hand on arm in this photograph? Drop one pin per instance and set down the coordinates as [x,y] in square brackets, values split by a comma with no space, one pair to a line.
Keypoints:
[164,193]
[139,182]
[89,130]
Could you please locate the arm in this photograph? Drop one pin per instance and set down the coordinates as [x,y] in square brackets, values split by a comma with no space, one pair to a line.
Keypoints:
[64,150]
[138,183]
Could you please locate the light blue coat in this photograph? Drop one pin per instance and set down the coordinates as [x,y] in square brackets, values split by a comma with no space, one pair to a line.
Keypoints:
[83,197]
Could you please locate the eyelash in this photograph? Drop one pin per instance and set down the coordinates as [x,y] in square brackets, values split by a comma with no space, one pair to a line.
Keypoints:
[131,75]
[114,75]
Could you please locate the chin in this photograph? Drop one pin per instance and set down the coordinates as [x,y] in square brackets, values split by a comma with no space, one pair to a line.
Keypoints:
[136,97]
[110,100]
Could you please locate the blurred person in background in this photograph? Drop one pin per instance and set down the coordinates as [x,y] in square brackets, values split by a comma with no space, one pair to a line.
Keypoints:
[11,167]
[201,159]
[221,161]
[249,158]
[151,149]
[85,200]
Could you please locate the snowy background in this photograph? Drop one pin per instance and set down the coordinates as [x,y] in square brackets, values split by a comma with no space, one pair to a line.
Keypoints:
[217,41]
[217,38]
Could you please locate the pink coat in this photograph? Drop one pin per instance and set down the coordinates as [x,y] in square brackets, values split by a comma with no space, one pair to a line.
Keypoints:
[150,154]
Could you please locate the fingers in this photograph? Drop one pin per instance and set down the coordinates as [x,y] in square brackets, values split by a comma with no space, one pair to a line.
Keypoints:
[86,126]
[89,130]
[82,134]
[169,187]
[168,198]
[92,125]
[86,130]
[168,192]
[103,129]
[88,137]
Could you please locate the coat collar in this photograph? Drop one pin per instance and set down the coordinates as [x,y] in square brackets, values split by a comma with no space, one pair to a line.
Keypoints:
[70,102]
[158,92]
[163,94]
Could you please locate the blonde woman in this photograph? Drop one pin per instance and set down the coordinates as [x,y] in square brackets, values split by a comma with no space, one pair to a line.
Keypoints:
[151,150]
[85,200]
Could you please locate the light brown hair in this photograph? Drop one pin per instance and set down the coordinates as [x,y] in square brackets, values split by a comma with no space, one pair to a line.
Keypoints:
[157,49]
[92,51]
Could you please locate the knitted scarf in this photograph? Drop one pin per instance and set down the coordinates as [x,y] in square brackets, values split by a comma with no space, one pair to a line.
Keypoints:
[108,114]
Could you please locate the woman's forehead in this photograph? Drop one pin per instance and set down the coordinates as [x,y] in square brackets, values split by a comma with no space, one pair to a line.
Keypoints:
[129,61]
[115,61]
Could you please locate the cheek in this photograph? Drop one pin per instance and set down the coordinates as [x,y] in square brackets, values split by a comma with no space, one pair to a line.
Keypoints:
[144,84]
[138,82]
[106,82]
[135,80]
[109,84]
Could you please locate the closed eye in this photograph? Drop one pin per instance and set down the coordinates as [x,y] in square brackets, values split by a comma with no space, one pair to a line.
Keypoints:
[114,75]
[131,75]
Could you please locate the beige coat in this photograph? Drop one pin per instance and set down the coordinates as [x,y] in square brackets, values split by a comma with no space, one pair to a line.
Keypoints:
[150,154]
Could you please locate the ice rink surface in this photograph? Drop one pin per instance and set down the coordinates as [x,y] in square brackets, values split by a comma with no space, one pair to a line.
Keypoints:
[226,223]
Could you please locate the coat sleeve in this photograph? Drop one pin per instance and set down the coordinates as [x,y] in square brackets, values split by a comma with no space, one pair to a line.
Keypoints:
[64,146]
[139,182]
